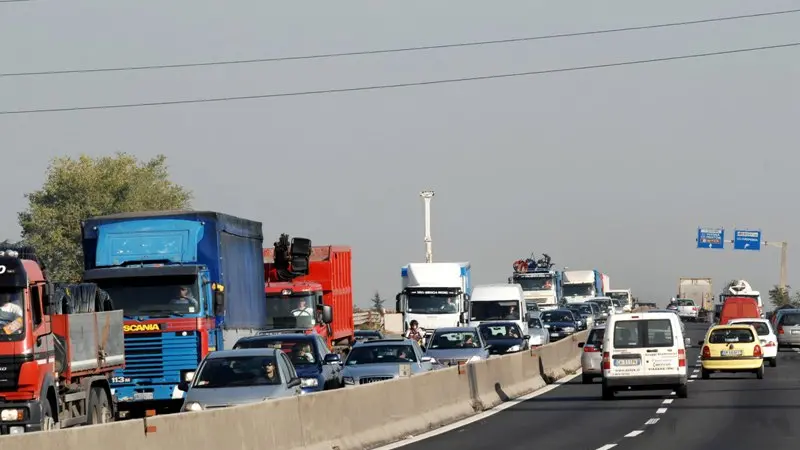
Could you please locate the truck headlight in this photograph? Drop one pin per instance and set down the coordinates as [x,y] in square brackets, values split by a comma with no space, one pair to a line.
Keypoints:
[348,380]
[193,406]
[514,348]
[308,382]
[188,376]
[12,415]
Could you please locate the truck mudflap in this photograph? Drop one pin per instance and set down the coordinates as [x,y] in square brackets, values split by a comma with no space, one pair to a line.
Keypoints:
[31,417]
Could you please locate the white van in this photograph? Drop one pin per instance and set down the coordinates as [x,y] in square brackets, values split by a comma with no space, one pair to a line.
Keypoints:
[644,351]
[498,302]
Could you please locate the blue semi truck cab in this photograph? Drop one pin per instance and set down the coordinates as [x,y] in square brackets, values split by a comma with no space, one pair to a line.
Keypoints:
[189,282]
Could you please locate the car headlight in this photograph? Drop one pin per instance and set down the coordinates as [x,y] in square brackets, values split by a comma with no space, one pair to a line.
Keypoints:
[193,406]
[12,415]
[569,329]
[546,326]
[308,382]
[514,348]
[475,358]
[348,380]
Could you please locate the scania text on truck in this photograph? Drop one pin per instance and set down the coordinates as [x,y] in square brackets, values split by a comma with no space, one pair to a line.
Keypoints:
[189,282]
[580,285]
[624,296]
[55,359]
[310,289]
[541,283]
[701,291]
[742,289]
[434,294]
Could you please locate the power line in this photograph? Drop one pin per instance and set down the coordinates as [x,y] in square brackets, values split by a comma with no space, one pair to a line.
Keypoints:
[402,85]
[397,50]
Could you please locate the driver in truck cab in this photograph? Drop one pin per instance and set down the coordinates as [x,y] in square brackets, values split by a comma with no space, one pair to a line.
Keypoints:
[302,309]
[184,298]
[11,313]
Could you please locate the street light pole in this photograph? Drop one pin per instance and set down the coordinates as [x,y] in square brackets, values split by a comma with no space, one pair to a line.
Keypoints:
[426,198]
[784,255]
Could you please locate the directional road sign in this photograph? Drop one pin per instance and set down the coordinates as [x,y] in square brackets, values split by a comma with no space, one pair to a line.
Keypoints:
[710,238]
[747,240]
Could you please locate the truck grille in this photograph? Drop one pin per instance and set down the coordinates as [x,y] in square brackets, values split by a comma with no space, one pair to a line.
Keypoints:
[160,356]
[9,373]
[367,380]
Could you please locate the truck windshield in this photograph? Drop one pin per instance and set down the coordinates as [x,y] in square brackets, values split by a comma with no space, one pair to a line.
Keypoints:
[291,311]
[154,296]
[622,297]
[579,290]
[495,310]
[12,314]
[421,302]
[534,284]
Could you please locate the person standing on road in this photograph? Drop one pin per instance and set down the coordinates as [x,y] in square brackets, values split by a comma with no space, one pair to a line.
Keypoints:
[414,333]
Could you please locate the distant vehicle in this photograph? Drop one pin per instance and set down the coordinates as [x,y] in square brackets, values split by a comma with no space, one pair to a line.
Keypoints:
[789,328]
[623,295]
[317,366]
[585,312]
[384,359]
[732,348]
[605,304]
[560,323]
[237,377]
[539,334]
[767,338]
[451,346]
[591,358]
[618,307]
[738,308]
[686,308]
[503,337]
[367,335]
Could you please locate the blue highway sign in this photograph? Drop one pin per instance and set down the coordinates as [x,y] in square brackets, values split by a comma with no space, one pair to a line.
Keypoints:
[747,240]
[710,238]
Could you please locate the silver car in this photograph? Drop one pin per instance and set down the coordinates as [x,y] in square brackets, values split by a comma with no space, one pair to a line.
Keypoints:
[236,377]
[384,359]
[453,345]
[539,335]
[592,356]
[789,329]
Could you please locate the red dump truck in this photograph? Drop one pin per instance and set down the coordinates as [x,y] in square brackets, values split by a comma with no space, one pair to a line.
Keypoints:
[58,348]
[309,289]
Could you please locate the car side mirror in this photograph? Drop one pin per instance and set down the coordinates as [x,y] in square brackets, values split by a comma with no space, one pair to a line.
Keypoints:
[426,359]
[219,303]
[293,382]
[183,386]
[327,314]
[581,344]
[333,358]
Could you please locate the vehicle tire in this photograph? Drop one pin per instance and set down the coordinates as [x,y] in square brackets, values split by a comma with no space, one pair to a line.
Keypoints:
[682,391]
[705,374]
[99,410]
[760,372]
[587,379]
[48,418]
[608,393]
[773,362]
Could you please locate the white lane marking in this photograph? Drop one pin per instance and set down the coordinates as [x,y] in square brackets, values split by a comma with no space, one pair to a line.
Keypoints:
[668,401]
[661,410]
[634,433]
[694,375]
[652,421]
[481,416]
[607,446]
[696,370]
[672,393]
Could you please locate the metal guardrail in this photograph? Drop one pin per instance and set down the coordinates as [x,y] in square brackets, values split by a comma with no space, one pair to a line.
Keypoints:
[361,318]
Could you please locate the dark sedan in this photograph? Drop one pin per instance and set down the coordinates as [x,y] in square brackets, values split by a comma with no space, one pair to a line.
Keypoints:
[560,323]
[503,337]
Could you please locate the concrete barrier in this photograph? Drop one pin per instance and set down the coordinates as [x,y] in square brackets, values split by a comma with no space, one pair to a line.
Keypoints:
[344,419]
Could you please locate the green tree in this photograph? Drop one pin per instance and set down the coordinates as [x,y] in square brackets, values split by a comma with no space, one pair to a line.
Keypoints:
[377,302]
[781,297]
[78,188]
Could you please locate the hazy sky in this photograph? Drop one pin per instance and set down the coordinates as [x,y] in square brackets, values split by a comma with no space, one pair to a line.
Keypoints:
[611,169]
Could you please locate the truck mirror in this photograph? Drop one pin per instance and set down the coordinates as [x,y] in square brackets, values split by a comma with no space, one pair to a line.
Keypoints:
[398,302]
[49,299]
[219,303]
[467,297]
[327,314]
[463,317]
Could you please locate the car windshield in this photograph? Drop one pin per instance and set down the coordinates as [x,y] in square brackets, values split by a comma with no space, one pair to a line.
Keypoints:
[504,331]
[160,296]
[12,313]
[300,351]
[790,319]
[237,371]
[380,354]
[731,336]
[761,327]
[534,283]
[432,302]
[290,311]
[596,337]
[454,339]
[622,297]
[578,290]
[643,333]
[535,323]
[495,310]
[557,316]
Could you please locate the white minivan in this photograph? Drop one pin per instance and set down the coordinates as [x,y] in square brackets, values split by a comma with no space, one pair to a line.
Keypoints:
[644,351]
[498,302]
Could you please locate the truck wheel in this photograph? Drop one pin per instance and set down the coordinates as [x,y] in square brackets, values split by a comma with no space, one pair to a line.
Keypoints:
[99,407]
[48,419]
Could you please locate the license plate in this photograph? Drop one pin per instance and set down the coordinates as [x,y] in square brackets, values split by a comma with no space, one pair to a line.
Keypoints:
[731,353]
[143,396]
[627,362]
[553,334]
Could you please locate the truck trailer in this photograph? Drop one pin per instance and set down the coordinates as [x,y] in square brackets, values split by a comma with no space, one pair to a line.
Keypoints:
[318,276]
[189,283]
[58,350]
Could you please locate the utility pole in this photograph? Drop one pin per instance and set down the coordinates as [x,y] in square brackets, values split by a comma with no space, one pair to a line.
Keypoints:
[426,198]
[784,250]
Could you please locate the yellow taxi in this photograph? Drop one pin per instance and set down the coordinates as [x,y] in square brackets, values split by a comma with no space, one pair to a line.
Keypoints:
[732,348]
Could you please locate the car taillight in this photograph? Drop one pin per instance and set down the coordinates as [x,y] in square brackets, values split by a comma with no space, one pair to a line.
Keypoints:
[706,352]
[590,349]
[681,357]
[757,351]
[770,344]
[606,361]
[780,329]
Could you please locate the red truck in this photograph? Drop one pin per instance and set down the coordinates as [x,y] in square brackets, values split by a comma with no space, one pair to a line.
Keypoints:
[309,289]
[57,352]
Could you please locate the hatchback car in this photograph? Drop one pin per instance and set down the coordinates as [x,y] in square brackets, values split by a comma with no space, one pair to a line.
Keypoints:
[453,345]
[384,359]
[236,377]
[503,337]
[592,356]
[732,348]
[788,321]
[539,334]
[767,338]
[560,323]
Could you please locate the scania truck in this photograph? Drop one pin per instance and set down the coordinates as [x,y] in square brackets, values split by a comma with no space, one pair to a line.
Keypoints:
[541,283]
[434,294]
[189,282]
[580,285]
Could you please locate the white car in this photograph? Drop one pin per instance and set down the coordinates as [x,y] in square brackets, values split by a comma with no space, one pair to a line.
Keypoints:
[769,341]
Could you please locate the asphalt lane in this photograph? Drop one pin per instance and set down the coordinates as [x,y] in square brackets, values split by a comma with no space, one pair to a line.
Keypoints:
[572,417]
[730,412]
